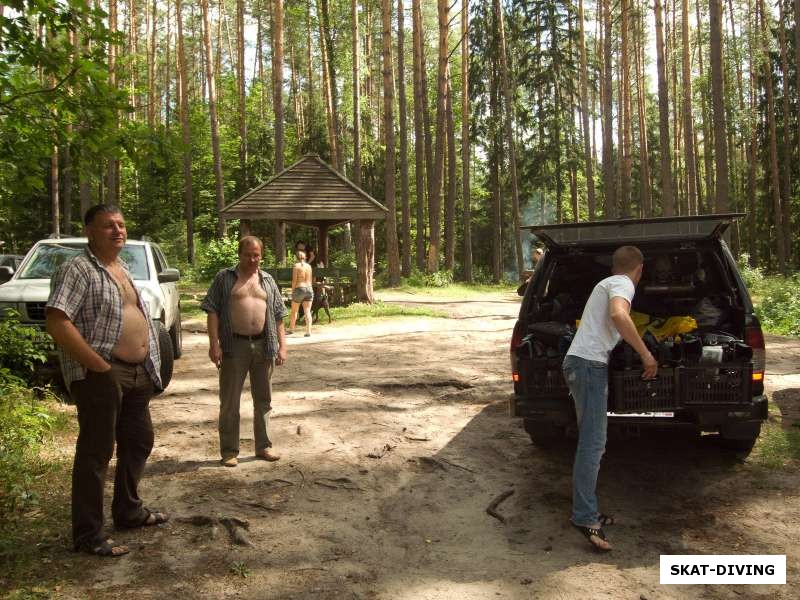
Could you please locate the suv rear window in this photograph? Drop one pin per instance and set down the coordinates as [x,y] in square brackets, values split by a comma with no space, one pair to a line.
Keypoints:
[48,257]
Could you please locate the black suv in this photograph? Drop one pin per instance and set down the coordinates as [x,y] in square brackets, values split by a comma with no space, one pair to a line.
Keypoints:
[703,330]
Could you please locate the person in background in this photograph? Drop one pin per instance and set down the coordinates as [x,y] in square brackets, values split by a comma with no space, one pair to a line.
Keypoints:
[302,292]
[246,335]
[110,359]
[311,258]
[536,256]
[606,318]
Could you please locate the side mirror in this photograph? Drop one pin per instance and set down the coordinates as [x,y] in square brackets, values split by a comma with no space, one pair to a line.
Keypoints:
[6,273]
[169,276]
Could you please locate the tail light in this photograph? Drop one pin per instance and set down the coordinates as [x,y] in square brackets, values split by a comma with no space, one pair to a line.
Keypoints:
[516,340]
[754,337]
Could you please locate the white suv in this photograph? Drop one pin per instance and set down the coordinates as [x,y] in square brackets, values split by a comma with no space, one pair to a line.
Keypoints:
[28,288]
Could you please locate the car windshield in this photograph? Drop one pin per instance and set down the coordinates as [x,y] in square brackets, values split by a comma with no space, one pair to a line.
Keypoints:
[48,257]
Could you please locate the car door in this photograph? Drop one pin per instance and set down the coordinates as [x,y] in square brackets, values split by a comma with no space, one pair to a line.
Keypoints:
[170,290]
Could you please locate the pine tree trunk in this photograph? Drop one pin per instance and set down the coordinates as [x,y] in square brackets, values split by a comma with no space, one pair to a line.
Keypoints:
[788,155]
[465,142]
[212,109]
[393,255]
[495,115]
[151,67]
[626,165]
[646,198]
[327,39]
[510,143]
[688,115]
[403,116]
[609,176]
[774,176]
[667,197]
[365,255]
[419,134]
[434,202]
[356,96]
[113,162]
[587,149]
[183,97]
[718,103]
[241,89]
[277,83]
[450,202]
[327,84]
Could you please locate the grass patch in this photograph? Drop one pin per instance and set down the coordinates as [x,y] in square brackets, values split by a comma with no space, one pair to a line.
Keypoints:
[461,290]
[776,447]
[355,313]
[34,491]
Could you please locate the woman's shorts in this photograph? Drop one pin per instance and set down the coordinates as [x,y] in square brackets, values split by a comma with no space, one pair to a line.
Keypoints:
[302,293]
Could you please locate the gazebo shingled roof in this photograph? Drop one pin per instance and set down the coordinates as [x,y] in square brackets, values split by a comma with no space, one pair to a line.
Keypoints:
[308,192]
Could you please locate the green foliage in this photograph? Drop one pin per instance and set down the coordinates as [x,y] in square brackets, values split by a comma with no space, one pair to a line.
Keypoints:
[341,259]
[240,568]
[437,279]
[218,254]
[24,422]
[379,309]
[21,349]
[775,298]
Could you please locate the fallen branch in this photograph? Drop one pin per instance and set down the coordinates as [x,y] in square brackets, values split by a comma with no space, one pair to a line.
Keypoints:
[450,462]
[492,508]
[379,452]
[339,483]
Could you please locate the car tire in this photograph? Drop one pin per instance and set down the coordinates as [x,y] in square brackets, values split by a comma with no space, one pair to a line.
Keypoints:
[544,435]
[176,336]
[167,356]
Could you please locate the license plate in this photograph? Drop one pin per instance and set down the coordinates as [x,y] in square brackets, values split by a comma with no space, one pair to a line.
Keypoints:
[659,415]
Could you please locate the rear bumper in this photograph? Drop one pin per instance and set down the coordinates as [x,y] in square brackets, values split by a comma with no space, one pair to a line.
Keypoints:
[730,419]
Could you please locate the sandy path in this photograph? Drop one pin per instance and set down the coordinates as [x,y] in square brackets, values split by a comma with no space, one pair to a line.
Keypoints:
[428,396]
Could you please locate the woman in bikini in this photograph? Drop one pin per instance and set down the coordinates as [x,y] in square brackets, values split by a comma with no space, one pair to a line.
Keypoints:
[302,292]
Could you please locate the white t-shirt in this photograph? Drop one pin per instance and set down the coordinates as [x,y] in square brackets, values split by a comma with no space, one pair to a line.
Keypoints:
[597,335]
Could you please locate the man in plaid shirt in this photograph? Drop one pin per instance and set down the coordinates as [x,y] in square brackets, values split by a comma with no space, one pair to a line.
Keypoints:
[111,363]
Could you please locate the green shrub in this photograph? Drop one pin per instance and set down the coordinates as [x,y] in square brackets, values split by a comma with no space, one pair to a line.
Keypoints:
[218,254]
[21,348]
[779,306]
[437,279]
[24,421]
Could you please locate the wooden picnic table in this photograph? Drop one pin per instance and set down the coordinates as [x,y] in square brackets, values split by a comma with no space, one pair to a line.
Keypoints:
[342,283]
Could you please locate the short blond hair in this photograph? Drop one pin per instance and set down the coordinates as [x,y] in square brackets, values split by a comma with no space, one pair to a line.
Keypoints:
[301,255]
[625,259]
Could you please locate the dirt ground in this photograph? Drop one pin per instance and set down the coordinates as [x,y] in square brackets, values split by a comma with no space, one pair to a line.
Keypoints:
[395,437]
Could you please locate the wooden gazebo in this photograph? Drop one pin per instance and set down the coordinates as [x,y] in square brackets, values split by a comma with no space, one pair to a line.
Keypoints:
[311,192]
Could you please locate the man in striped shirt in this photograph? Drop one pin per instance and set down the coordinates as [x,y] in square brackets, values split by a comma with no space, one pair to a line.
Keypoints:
[246,335]
[111,364]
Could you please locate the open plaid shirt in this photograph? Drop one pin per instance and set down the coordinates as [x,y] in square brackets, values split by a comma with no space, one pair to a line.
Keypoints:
[85,291]
[218,301]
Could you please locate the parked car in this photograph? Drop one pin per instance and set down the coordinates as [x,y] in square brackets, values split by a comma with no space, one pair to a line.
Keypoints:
[711,375]
[13,261]
[28,288]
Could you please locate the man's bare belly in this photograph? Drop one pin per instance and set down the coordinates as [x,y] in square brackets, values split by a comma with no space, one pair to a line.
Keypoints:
[248,308]
[133,343]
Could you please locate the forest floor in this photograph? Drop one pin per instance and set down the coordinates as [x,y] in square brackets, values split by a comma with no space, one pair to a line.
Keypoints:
[395,437]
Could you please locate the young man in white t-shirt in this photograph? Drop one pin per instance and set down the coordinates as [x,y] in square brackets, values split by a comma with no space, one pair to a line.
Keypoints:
[606,319]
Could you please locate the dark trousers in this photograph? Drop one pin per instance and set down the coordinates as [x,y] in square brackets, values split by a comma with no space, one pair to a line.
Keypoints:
[112,407]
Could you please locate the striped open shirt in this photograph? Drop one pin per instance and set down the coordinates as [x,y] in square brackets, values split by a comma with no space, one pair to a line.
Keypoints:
[218,301]
[85,291]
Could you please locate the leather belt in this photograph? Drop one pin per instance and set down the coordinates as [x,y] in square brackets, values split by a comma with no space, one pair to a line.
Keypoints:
[258,336]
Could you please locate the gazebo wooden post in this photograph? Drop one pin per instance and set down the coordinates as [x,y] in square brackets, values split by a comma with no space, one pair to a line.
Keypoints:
[280,242]
[365,259]
[322,242]
[244,227]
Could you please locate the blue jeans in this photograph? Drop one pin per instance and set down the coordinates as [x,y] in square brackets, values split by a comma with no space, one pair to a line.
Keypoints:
[588,384]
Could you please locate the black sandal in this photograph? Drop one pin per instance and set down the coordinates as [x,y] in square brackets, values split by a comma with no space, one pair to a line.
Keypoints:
[590,532]
[104,548]
[606,520]
[158,518]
